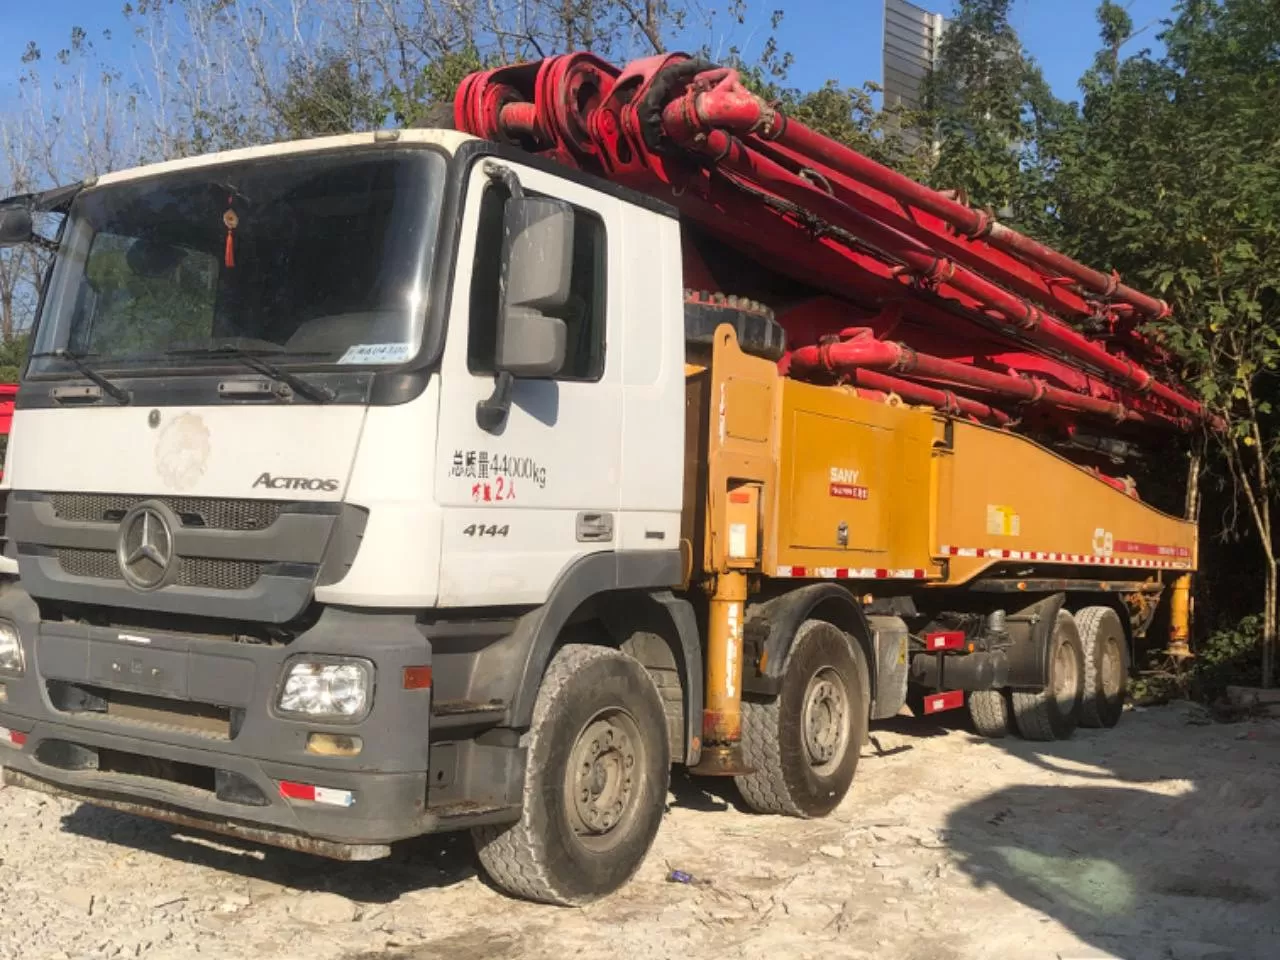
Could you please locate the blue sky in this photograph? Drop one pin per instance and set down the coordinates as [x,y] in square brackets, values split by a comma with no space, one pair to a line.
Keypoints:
[831,39]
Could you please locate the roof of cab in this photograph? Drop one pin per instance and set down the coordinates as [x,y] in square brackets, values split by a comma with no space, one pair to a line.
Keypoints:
[450,140]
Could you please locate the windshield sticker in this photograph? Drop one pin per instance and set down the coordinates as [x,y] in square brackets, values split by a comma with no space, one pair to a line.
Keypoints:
[376,353]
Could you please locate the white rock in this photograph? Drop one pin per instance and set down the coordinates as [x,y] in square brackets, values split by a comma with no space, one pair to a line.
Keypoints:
[833,851]
[323,908]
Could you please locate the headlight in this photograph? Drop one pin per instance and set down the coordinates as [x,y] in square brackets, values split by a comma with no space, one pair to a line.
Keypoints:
[10,649]
[321,688]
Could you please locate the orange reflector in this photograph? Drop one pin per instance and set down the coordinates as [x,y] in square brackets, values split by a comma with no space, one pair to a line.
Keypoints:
[334,745]
[417,678]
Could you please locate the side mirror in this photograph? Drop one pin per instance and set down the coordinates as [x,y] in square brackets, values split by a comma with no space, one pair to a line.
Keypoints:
[15,226]
[537,264]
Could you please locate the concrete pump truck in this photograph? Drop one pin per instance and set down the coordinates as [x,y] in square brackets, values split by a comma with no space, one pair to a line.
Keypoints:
[425,480]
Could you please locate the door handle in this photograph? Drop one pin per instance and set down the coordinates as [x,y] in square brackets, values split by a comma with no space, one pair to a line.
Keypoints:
[595,527]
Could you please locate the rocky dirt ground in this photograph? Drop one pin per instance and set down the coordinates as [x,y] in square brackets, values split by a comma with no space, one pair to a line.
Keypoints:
[1160,839]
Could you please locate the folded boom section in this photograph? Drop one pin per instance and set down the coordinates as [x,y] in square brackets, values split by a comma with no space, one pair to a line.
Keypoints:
[880,282]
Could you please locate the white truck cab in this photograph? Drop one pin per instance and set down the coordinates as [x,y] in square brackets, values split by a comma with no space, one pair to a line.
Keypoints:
[320,448]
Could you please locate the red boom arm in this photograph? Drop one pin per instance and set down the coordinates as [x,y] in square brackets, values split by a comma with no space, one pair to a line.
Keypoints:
[993,309]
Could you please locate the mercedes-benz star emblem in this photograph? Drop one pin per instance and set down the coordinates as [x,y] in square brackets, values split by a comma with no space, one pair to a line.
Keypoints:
[145,550]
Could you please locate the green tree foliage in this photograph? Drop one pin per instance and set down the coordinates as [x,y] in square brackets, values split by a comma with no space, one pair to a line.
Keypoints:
[989,108]
[329,97]
[1169,175]
[13,354]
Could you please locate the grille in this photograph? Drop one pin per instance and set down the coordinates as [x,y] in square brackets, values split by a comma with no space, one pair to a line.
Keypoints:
[218,574]
[194,511]
[97,564]
[192,571]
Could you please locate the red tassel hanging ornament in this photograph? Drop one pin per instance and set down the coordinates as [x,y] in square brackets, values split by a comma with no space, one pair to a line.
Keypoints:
[231,220]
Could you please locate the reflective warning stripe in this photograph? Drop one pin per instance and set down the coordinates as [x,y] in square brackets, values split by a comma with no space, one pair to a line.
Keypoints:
[995,553]
[849,573]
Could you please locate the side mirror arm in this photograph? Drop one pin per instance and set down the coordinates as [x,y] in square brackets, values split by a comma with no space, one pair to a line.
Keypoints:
[491,414]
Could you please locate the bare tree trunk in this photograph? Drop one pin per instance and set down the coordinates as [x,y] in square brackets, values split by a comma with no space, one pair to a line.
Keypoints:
[1269,624]
[1255,484]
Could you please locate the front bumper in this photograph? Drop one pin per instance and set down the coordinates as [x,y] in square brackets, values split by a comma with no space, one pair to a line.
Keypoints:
[195,769]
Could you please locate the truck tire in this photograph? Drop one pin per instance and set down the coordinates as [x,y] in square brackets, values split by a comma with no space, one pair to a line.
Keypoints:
[803,745]
[1054,712]
[991,713]
[595,786]
[1105,666]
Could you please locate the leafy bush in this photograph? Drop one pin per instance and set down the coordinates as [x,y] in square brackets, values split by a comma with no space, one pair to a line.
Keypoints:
[1230,655]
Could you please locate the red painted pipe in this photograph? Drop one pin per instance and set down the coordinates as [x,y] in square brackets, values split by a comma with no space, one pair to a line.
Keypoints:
[843,227]
[732,155]
[720,104]
[943,400]
[861,349]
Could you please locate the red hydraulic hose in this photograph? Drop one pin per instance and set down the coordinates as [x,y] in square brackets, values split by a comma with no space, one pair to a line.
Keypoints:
[943,400]
[733,156]
[729,106]
[862,350]
[972,223]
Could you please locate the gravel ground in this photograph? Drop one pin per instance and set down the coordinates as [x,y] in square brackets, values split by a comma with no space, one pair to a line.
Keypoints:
[1160,839]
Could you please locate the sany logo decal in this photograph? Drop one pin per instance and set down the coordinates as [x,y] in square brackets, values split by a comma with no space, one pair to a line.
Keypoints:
[844,483]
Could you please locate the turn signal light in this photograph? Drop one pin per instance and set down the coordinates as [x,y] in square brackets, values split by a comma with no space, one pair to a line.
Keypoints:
[417,678]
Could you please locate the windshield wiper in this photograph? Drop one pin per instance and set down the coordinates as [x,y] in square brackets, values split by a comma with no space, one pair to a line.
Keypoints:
[77,360]
[312,391]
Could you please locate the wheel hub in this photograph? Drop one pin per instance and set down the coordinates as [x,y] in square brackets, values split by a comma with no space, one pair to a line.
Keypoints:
[825,719]
[1065,679]
[602,771]
[1112,667]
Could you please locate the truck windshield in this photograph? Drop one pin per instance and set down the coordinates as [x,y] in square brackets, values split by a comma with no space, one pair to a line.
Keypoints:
[311,260]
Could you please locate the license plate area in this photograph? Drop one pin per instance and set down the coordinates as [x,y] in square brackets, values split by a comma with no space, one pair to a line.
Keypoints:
[162,713]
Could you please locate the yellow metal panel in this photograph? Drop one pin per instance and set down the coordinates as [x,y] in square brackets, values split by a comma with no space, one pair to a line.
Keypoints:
[853,482]
[732,412]
[998,492]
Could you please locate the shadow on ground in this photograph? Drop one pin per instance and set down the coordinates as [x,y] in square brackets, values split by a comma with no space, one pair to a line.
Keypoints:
[423,863]
[1172,851]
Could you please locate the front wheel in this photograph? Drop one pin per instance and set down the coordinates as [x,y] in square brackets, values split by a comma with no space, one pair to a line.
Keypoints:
[595,783]
[803,745]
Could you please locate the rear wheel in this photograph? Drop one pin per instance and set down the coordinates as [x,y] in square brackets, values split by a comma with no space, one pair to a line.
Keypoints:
[1054,712]
[803,745]
[595,784]
[991,713]
[1105,666]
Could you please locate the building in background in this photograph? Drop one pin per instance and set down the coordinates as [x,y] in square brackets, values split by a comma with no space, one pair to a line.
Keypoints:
[912,40]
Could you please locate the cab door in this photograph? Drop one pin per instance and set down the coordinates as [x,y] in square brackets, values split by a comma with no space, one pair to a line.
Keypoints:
[524,500]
